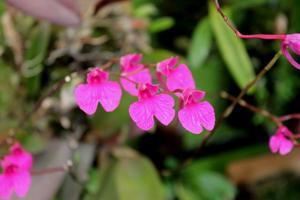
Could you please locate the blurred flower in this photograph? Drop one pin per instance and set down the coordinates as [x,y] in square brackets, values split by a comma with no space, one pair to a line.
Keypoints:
[151,104]
[15,175]
[133,73]
[194,114]
[177,78]
[98,90]
[279,143]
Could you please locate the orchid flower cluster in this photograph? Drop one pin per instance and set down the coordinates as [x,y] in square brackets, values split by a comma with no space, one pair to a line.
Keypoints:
[154,100]
[16,173]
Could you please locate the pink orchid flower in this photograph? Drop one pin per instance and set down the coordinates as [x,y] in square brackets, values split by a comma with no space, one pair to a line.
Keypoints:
[133,73]
[20,157]
[15,175]
[151,104]
[194,114]
[176,78]
[279,143]
[98,89]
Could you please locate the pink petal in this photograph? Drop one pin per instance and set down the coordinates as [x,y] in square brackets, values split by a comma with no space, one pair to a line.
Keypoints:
[86,97]
[166,65]
[63,12]
[207,115]
[22,183]
[285,147]
[20,157]
[274,143]
[164,111]
[141,77]
[24,161]
[195,116]
[293,42]
[286,53]
[6,187]
[110,95]
[141,113]
[180,78]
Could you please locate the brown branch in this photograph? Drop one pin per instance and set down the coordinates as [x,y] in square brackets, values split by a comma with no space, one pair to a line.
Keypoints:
[252,108]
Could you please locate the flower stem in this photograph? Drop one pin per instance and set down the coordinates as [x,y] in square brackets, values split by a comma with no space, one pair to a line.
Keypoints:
[240,35]
[252,108]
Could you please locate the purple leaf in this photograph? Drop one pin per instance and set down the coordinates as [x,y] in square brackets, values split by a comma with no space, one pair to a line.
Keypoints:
[62,12]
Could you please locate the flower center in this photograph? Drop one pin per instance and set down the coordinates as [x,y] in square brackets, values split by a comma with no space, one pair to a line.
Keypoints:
[11,169]
[97,76]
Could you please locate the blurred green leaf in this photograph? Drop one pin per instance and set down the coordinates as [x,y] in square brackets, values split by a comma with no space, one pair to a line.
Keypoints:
[33,142]
[161,24]
[95,178]
[232,49]
[145,11]
[200,44]
[10,105]
[157,55]
[160,54]
[206,185]
[35,55]
[134,179]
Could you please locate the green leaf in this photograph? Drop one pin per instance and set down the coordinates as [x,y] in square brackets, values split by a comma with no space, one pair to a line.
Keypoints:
[161,24]
[35,55]
[137,179]
[33,142]
[232,49]
[200,44]
[133,178]
[205,185]
[145,11]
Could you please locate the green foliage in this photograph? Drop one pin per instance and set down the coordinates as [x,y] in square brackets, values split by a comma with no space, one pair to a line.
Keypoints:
[200,44]
[35,55]
[232,50]
[161,24]
[132,177]
[205,185]
[9,103]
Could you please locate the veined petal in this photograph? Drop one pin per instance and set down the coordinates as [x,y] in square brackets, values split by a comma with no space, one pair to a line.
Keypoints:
[6,187]
[86,97]
[180,78]
[206,115]
[110,94]
[164,111]
[141,113]
[22,183]
[189,119]
[143,76]
[195,117]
